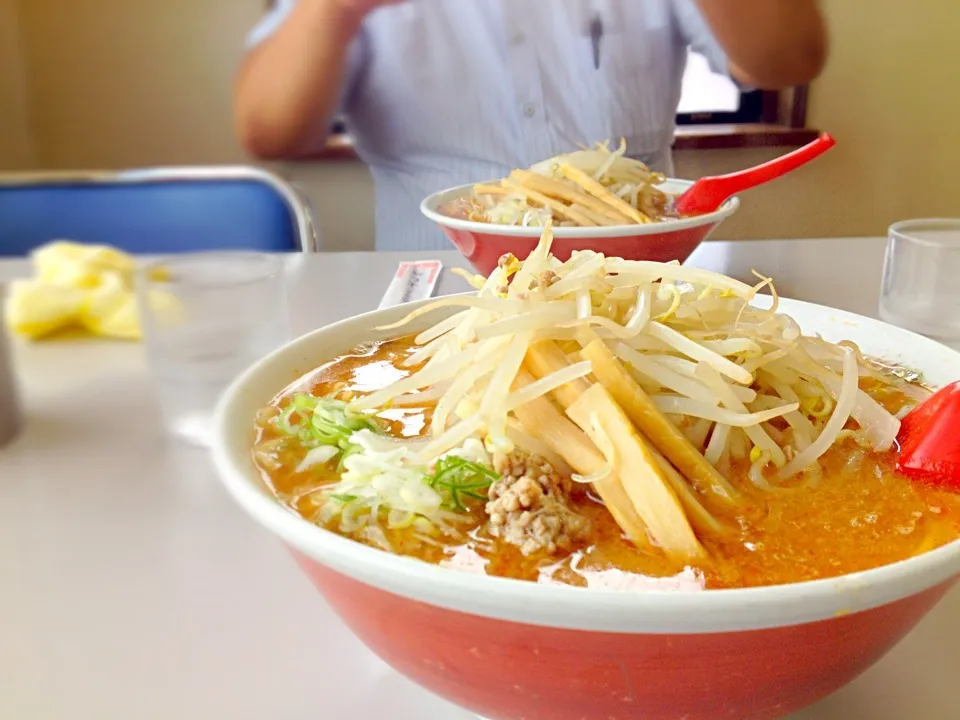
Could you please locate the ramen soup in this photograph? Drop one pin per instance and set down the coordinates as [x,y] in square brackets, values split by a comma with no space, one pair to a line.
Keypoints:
[612,424]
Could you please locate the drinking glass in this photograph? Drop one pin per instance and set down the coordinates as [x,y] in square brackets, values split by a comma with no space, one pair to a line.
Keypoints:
[207,317]
[921,278]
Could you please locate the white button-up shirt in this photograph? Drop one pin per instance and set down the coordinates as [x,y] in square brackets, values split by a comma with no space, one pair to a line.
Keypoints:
[447,92]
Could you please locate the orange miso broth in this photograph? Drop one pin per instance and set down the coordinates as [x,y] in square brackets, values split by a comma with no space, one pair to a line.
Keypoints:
[859,514]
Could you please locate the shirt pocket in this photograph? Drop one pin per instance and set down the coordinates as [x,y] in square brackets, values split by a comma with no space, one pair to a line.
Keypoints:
[636,88]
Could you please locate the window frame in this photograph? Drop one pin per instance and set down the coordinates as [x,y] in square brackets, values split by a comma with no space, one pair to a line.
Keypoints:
[753,109]
[787,108]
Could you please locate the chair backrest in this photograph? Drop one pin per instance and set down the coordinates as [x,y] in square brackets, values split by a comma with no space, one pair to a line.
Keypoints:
[164,210]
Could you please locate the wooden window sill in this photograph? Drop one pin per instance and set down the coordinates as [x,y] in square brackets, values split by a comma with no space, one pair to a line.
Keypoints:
[753,135]
[687,137]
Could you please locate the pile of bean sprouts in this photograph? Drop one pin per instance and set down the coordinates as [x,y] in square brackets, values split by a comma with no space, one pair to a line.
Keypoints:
[742,382]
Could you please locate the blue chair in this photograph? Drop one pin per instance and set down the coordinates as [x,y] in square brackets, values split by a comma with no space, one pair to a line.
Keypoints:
[157,211]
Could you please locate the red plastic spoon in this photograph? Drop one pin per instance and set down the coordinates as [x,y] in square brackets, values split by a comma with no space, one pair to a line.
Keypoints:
[929,439]
[707,194]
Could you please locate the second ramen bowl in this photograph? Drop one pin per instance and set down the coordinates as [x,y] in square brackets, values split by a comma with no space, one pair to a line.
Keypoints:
[484,243]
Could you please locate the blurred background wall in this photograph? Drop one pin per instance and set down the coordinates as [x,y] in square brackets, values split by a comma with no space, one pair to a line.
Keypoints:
[16,138]
[120,83]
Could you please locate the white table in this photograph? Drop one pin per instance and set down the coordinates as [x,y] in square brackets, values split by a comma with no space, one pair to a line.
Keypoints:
[132,588]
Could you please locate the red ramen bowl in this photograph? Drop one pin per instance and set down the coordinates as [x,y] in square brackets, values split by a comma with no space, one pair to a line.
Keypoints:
[512,650]
[484,243]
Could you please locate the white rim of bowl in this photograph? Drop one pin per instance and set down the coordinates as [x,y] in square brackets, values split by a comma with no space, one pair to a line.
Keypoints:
[585,609]
[430,204]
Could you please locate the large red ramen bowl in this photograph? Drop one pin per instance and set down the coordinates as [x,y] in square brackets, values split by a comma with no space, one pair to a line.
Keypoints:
[483,243]
[513,650]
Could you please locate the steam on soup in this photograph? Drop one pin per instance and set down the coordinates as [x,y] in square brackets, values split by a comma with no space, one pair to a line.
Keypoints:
[607,423]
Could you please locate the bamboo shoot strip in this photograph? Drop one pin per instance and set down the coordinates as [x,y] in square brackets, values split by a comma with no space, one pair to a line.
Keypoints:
[700,518]
[541,419]
[570,193]
[662,434]
[545,358]
[604,422]
[601,193]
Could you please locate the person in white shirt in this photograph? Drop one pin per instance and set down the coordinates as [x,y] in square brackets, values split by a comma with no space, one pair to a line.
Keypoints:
[438,93]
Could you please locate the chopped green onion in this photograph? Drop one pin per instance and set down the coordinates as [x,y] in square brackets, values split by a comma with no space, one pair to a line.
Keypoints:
[323,421]
[343,498]
[457,479]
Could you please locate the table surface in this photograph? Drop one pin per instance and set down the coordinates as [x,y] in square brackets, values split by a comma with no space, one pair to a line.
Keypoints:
[133,588]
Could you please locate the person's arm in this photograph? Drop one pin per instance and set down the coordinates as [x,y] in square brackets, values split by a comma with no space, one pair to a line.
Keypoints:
[290,83]
[770,44]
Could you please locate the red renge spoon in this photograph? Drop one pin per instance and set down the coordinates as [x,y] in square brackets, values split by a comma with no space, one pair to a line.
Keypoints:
[929,439]
[707,194]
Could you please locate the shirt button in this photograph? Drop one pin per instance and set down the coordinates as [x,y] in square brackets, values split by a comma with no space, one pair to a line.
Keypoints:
[518,38]
[529,109]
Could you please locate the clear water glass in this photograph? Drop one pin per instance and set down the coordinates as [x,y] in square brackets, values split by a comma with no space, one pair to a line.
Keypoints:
[921,278]
[206,318]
